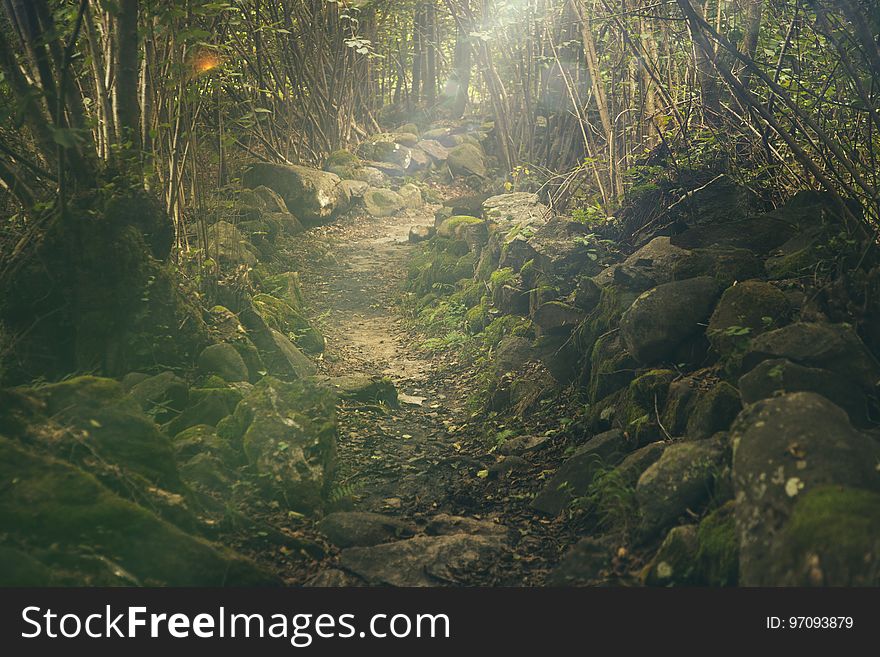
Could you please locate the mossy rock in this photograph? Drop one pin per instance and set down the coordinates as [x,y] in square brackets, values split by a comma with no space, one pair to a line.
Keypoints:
[288,287]
[454,226]
[363,388]
[111,425]
[637,413]
[341,158]
[682,479]
[611,367]
[224,361]
[161,396]
[714,410]
[718,551]
[288,433]
[383,202]
[745,310]
[675,563]
[282,317]
[831,539]
[477,318]
[203,438]
[207,406]
[49,502]
[466,160]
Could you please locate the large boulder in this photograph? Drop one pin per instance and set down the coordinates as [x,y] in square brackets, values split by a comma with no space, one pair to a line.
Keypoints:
[663,318]
[784,449]
[515,209]
[434,149]
[564,249]
[424,560]
[411,195]
[681,479]
[657,260]
[99,538]
[778,375]
[745,310]
[383,202]
[108,431]
[162,395]
[313,195]
[834,347]
[466,160]
[288,433]
[224,361]
[831,539]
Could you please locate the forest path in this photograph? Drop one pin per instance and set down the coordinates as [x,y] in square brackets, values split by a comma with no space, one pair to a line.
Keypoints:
[411,463]
[353,283]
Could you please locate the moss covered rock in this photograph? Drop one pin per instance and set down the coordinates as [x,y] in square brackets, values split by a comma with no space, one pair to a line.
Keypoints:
[713,410]
[383,202]
[778,375]
[682,479]
[675,563]
[718,551]
[288,433]
[107,423]
[161,396]
[831,539]
[835,347]
[311,194]
[661,319]
[45,502]
[224,361]
[745,310]
[784,448]
[466,160]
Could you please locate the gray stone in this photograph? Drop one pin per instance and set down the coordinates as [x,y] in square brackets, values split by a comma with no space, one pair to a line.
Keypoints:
[466,160]
[434,149]
[411,195]
[785,448]
[681,479]
[661,319]
[312,194]
[362,529]
[834,347]
[224,361]
[778,375]
[383,202]
[424,560]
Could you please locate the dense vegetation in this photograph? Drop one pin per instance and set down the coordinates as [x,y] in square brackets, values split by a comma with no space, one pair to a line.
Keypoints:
[644,252]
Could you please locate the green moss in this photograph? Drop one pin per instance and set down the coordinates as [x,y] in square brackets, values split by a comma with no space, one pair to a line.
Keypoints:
[832,539]
[718,552]
[45,502]
[675,563]
[506,325]
[110,425]
[639,407]
[207,406]
[282,317]
[501,276]
[341,158]
[469,294]
[451,227]
[477,317]
[610,367]
[286,286]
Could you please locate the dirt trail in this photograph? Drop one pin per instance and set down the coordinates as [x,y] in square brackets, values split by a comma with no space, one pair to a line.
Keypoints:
[385,455]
